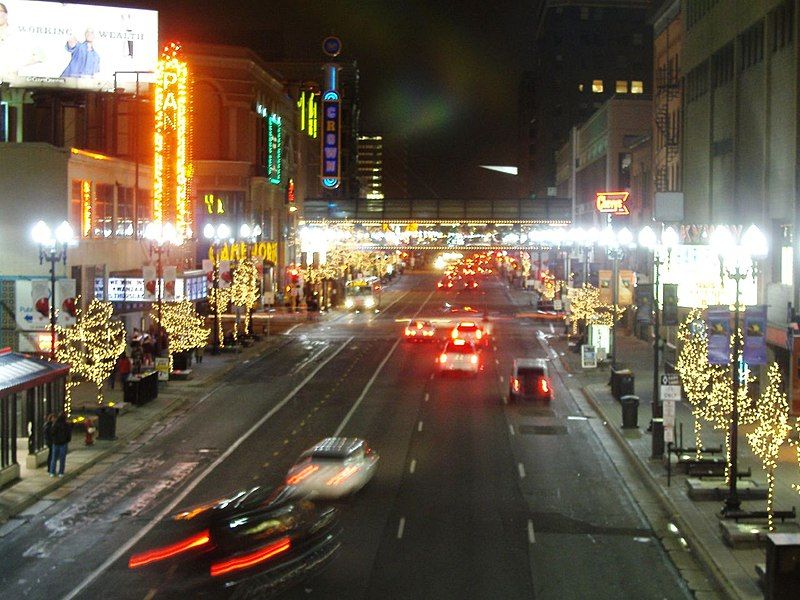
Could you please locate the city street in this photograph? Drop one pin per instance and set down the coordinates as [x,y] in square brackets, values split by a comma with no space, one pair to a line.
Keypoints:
[472,498]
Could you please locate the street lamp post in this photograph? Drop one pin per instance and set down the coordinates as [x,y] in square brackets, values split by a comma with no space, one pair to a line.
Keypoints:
[649,240]
[615,243]
[753,247]
[216,235]
[160,236]
[53,249]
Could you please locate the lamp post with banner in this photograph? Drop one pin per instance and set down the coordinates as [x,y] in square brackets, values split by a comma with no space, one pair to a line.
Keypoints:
[615,243]
[662,251]
[737,262]
[53,249]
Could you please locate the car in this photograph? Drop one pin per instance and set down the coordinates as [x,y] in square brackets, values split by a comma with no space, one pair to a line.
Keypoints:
[459,355]
[530,381]
[333,468]
[256,541]
[445,283]
[470,284]
[471,331]
[420,331]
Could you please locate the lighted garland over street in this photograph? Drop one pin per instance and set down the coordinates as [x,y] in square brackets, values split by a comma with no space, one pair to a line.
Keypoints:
[91,348]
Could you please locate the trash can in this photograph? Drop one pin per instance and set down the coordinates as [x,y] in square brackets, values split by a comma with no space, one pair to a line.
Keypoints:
[625,384]
[107,422]
[630,411]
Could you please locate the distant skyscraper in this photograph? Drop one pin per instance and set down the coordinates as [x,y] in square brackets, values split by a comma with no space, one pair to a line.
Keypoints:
[585,52]
[370,166]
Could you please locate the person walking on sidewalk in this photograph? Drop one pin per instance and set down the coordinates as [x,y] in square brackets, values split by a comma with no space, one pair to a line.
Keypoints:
[62,435]
[124,368]
[48,436]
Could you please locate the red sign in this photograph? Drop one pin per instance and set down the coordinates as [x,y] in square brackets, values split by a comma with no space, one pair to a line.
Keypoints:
[612,203]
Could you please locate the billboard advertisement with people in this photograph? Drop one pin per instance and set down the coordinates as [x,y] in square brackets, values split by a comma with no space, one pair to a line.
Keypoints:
[49,44]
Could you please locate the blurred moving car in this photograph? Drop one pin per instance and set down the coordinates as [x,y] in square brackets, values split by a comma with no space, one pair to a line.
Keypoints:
[470,284]
[445,283]
[459,355]
[333,468]
[470,331]
[255,542]
[530,381]
[420,331]
[362,294]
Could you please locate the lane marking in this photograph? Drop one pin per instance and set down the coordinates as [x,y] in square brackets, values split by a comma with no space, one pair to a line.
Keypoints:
[552,329]
[311,358]
[401,527]
[511,429]
[501,379]
[427,396]
[521,469]
[419,426]
[292,328]
[576,418]
[151,594]
[188,489]
[531,535]
[413,466]
[383,310]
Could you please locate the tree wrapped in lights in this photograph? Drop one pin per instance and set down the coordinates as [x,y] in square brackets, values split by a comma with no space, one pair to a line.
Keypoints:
[585,306]
[184,327]
[218,301]
[771,431]
[245,289]
[91,348]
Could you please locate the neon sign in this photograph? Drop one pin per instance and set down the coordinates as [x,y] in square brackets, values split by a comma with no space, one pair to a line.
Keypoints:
[612,203]
[86,208]
[331,140]
[274,150]
[171,162]
[214,205]
[308,105]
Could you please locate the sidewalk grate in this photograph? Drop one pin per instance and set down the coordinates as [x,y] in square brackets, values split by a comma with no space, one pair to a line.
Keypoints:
[543,430]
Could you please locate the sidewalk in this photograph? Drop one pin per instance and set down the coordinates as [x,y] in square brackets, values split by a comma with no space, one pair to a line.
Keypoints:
[35,484]
[734,569]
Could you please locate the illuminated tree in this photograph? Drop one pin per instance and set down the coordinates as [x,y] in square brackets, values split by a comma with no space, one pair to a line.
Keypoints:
[91,347]
[772,430]
[184,327]
[218,301]
[245,289]
[585,306]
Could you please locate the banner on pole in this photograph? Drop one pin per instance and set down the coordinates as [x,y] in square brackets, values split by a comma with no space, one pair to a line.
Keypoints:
[40,298]
[170,276]
[208,269]
[755,328]
[225,276]
[719,335]
[67,302]
[670,304]
[644,303]
[149,276]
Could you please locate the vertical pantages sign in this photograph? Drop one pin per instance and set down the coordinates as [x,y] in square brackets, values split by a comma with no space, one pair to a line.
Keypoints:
[171,163]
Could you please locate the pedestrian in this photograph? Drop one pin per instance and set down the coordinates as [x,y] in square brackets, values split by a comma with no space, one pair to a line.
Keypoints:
[48,436]
[62,435]
[112,379]
[124,368]
[198,354]
[137,357]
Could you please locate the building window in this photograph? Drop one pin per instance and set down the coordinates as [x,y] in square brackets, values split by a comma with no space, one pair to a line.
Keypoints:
[124,227]
[580,87]
[621,87]
[722,66]
[637,87]
[103,213]
[597,86]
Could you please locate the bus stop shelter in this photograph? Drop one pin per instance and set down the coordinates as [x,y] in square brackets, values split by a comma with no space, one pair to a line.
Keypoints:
[30,388]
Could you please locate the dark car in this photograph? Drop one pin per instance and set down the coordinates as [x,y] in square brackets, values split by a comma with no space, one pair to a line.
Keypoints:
[255,543]
[529,381]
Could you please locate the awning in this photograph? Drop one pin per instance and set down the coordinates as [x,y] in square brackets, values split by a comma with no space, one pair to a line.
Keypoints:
[21,372]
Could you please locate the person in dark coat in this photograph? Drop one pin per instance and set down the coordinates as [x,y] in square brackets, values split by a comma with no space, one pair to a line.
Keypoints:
[48,436]
[62,435]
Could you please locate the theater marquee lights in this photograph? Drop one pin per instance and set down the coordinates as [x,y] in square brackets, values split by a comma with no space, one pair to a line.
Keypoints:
[172,162]
[274,139]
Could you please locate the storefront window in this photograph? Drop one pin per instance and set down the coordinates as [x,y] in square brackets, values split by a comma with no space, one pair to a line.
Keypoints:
[124,212]
[103,213]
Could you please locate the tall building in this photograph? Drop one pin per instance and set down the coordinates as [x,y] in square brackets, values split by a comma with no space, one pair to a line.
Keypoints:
[395,167]
[667,96]
[370,166]
[585,52]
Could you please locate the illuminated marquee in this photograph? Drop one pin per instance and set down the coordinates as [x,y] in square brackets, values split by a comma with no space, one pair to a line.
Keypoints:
[172,165]
[274,148]
[331,140]
[612,203]
[308,104]
[86,208]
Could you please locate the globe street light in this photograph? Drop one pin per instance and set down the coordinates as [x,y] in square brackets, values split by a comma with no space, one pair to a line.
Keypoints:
[615,243]
[649,240]
[737,262]
[52,248]
[216,235]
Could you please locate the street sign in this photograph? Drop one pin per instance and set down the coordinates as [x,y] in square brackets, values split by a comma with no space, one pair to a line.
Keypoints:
[588,357]
[670,379]
[670,387]
[668,412]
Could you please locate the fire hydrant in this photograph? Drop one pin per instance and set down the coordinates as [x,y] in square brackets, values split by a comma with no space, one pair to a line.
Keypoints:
[89,438]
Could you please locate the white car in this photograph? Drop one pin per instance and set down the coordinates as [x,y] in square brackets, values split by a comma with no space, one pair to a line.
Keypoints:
[333,468]
[459,355]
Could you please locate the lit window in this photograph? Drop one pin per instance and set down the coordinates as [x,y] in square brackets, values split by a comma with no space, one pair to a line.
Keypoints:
[580,87]
[622,87]
[597,86]
[637,87]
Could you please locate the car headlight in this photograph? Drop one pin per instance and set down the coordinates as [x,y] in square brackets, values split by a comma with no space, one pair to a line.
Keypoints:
[348,303]
[369,302]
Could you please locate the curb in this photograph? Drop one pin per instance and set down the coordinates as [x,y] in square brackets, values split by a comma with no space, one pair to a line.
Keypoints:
[173,404]
[695,542]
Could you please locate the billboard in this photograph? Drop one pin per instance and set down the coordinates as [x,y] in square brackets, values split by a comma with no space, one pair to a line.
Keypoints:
[49,44]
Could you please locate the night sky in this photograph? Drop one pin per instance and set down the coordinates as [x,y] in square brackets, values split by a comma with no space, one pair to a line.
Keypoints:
[443,74]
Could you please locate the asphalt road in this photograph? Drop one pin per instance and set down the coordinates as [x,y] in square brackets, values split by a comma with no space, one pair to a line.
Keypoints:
[472,498]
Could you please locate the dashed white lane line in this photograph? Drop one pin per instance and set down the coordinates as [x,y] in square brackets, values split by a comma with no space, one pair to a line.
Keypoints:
[419,426]
[413,466]
[292,328]
[531,535]
[552,329]
[401,527]
[501,379]
[427,396]
[511,429]
[521,469]
[497,362]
